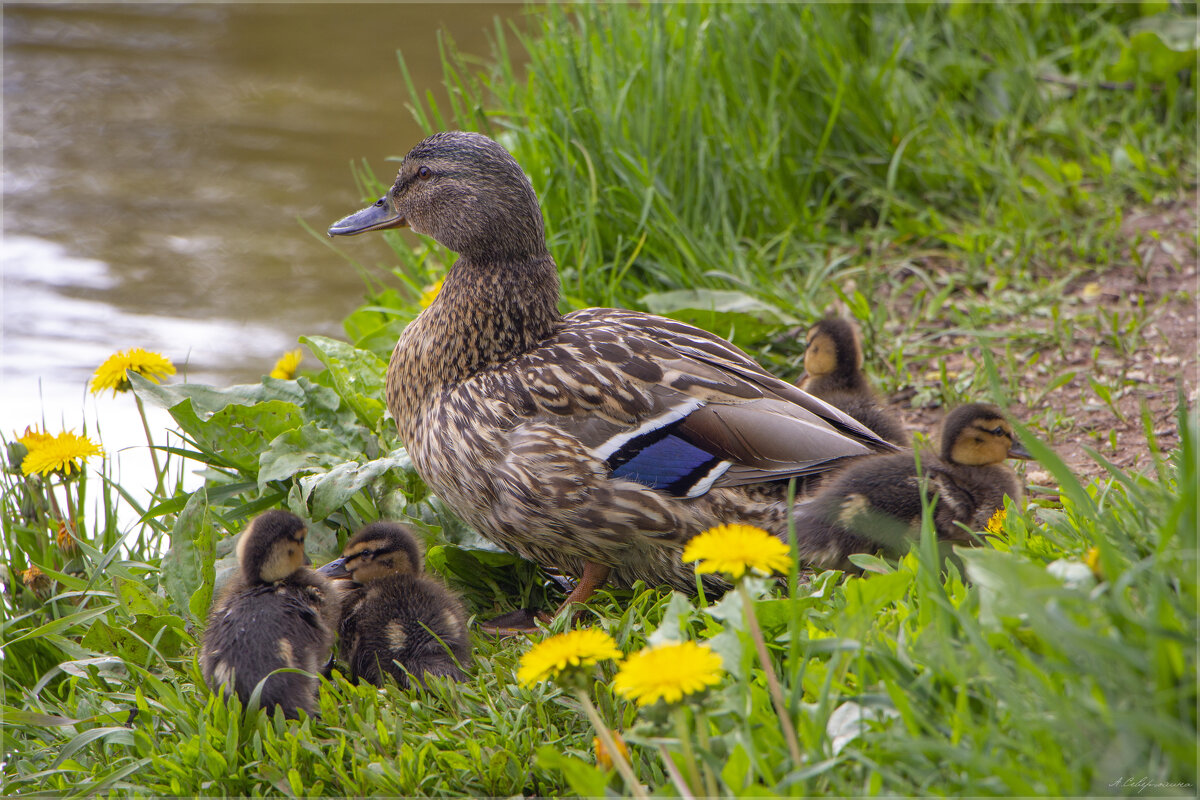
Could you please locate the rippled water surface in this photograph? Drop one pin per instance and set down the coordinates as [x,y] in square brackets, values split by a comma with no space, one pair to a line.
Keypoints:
[160,164]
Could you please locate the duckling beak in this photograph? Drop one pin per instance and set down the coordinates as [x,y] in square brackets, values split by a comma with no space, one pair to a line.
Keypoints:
[377,217]
[335,569]
[1018,451]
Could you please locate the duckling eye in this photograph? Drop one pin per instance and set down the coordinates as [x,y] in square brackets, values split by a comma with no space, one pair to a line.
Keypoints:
[998,431]
[424,173]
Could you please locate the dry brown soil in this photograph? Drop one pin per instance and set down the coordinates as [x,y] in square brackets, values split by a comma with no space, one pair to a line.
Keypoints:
[1151,367]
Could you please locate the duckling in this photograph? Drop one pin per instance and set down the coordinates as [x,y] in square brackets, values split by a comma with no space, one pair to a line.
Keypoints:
[595,443]
[833,372]
[274,613]
[398,622]
[874,504]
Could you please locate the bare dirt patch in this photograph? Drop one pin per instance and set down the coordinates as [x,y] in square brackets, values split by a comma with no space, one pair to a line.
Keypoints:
[1132,341]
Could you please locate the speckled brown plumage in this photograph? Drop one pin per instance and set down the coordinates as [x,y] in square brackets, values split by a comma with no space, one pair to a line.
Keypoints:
[601,440]
[398,621]
[874,504]
[274,613]
[833,363]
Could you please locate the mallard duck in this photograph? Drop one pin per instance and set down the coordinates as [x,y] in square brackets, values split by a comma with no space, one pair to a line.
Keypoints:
[874,504]
[833,371]
[598,442]
[274,613]
[398,622]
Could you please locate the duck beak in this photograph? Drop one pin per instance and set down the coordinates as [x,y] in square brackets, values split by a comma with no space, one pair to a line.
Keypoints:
[377,217]
[1018,451]
[335,569]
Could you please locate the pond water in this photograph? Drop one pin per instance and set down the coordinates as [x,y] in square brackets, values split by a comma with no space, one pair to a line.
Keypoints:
[160,166]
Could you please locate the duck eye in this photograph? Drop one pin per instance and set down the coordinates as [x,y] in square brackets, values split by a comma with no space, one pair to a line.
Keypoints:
[424,173]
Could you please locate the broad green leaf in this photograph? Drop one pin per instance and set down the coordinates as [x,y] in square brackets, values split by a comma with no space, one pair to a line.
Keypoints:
[376,327]
[1009,586]
[183,564]
[137,598]
[304,450]
[207,400]
[585,779]
[1162,46]
[676,618]
[329,491]
[358,376]
[867,595]
[104,638]
[737,771]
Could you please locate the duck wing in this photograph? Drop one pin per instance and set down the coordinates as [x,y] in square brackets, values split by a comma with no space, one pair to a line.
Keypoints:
[678,409]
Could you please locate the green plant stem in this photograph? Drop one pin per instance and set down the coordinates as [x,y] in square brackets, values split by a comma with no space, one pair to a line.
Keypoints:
[158,473]
[606,738]
[685,742]
[72,523]
[785,719]
[675,775]
[56,510]
[710,780]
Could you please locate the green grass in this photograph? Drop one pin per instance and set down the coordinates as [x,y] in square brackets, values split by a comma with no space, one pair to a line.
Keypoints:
[918,167]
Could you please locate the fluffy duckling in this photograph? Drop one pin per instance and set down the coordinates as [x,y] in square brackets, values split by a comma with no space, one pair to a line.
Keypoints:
[399,622]
[874,504]
[274,613]
[833,372]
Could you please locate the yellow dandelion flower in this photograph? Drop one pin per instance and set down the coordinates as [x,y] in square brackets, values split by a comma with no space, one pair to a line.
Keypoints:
[550,658]
[36,581]
[431,292]
[1092,559]
[668,672]
[114,372]
[734,549]
[285,367]
[33,438]
[604,759]
[996,523]
[61,454]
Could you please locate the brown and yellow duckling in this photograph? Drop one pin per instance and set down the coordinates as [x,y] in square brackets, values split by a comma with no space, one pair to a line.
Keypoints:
[597,442]
[275,613]
[874,504]
[398,621]
[833,371]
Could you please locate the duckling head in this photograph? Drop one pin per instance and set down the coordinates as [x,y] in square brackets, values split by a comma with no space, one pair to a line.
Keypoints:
[377,551]
[833,347]
[272,547]
[978,434]
[465,191]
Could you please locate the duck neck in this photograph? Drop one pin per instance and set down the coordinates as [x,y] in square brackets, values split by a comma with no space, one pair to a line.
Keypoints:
[485,314]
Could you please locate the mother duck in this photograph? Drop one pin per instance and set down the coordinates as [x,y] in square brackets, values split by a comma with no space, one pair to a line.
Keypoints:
[596,442]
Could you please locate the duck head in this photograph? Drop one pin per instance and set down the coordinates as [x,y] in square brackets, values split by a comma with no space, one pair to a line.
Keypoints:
[464,190]
[378,550]
[978,434]
[272,547]
[833,347]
